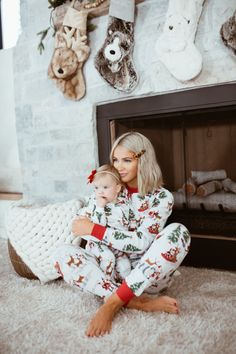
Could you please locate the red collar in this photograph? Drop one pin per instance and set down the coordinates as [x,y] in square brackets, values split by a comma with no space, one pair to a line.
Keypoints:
[132,190]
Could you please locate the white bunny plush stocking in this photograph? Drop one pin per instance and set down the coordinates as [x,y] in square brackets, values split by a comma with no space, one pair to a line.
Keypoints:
[175,47]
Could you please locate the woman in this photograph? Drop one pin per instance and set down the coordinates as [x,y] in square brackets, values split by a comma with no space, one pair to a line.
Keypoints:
[155,252]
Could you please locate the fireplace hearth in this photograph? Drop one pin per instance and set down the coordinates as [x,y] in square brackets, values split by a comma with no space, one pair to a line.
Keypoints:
[193,131]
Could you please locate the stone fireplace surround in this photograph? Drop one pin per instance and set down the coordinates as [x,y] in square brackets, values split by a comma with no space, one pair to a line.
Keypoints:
[214,233]
[57,138]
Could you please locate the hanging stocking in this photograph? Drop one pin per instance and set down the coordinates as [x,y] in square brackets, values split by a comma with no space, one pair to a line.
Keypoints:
[71,51]
[114,60]
[175,47]
[228,33]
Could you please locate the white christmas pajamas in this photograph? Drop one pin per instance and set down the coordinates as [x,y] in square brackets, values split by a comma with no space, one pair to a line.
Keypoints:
[155,252]
[112,262]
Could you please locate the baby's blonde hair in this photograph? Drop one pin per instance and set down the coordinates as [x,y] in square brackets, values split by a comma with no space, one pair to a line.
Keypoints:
[108,170]
[149,175]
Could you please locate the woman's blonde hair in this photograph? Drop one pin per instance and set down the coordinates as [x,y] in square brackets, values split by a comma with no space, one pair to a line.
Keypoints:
[149,175]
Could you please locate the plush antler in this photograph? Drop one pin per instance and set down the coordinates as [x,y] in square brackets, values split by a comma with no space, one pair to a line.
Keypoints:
[79,45]
[68,35]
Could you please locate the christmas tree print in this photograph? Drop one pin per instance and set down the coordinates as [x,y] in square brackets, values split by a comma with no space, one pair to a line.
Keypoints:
[94,208]
[174,236]
[139,234]
[131,248]
[155,202]
[107,210]
[120,235]
[131,214]
[140,197]
[162,195]
[186,236]
[100,247]
[134,287]
[99,216]
[125,220]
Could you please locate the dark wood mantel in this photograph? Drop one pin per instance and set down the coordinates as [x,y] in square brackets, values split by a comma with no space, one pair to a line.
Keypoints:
[201,98]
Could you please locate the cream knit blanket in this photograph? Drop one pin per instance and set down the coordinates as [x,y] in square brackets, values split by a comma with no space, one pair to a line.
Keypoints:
[36,231]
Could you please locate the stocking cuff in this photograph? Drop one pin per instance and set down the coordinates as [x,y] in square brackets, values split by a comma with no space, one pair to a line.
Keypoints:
[122,9]
[75,19]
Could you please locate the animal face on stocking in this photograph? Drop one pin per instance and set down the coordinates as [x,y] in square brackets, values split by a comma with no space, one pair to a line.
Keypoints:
[68,57]
[117,48]
[64,63]
[228,32]
[118,44]
[114,60]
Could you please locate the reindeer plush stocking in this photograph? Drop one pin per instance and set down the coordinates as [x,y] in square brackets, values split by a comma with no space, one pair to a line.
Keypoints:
[71,51]
[175,48]
[114,60]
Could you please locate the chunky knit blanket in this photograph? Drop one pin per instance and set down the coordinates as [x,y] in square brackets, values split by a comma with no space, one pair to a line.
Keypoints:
[36,231]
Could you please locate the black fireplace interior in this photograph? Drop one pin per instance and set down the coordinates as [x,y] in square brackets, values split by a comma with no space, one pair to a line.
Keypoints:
[190,131]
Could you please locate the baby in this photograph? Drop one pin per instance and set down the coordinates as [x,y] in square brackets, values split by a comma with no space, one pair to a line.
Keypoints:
[106,208]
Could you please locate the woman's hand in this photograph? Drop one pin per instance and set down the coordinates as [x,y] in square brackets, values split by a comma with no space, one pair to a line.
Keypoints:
[82,226]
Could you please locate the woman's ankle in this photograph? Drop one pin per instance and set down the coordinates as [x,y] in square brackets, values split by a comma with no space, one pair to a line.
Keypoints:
[114,301]
[139,303]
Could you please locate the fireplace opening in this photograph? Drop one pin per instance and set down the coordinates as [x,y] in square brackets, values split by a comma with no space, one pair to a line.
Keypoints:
[196,152]
[194,136]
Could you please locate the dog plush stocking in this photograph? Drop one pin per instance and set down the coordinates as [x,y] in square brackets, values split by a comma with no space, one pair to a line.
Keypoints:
[175,47]
[71,51]
[114,60]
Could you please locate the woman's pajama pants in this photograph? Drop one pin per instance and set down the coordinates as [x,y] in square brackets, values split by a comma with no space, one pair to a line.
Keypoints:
[151,273]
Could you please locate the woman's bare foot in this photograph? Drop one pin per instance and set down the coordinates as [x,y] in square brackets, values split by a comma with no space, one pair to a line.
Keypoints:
[157,304]
[102,321]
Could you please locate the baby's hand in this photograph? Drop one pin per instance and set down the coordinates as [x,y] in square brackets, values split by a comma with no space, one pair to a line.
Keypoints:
[101,201]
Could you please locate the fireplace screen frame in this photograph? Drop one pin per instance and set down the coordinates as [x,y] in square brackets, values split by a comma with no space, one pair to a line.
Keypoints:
[196,99]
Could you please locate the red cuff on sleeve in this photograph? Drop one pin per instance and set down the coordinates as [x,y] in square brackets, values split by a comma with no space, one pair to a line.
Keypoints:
[98,231]
[125,293]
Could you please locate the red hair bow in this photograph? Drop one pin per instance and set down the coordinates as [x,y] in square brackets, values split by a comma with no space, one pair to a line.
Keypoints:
[91,176]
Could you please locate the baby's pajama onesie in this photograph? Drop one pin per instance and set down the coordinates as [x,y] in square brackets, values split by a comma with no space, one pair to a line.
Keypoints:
[114,263]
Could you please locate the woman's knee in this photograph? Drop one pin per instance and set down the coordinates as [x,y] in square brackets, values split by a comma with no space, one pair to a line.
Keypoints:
[176,231]
[175,226]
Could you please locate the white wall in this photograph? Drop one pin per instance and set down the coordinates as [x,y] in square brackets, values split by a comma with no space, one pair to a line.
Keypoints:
[10,173]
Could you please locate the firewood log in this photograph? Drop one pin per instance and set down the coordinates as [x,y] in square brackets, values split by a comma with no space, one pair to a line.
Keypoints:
[229,185]
[208,188]
[214,202]
[201,177]
[189,187]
